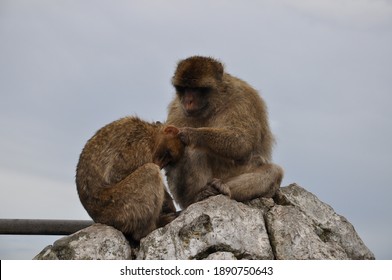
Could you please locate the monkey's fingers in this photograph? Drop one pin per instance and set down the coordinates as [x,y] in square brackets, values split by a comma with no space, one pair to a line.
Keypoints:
[214,187]
[205,193]
[220,187]
[184,135]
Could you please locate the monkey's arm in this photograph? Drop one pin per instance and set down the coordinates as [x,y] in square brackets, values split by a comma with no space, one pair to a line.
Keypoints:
[225,142]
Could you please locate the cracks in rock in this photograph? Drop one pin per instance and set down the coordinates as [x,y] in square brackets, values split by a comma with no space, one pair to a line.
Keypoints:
[324,233]
[280,199]
[198,227]
[269,234]
[221,248]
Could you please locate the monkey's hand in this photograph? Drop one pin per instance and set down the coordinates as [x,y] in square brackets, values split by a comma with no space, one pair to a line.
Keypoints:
[185,135]
[214,187]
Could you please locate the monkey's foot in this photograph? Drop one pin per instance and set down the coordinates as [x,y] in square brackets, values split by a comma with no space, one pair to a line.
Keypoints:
[273,189]
[214,187]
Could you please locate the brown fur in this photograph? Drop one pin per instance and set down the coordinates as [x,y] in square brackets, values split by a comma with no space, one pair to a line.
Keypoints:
[224,123]
[117,181]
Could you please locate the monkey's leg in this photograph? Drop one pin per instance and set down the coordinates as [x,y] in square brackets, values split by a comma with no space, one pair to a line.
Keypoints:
[168,212]
[264,181]
[136,202]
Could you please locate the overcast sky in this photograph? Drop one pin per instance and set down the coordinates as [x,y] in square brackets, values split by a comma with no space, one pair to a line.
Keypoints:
[324,68]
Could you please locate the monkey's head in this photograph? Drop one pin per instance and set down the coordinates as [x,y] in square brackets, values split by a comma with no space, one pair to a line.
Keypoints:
[168,147]
[195,80]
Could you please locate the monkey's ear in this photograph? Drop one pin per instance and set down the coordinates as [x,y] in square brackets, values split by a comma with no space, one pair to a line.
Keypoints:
[219,70]
[172,130]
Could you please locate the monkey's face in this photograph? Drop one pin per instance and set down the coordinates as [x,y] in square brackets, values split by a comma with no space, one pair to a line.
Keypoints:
[168,147]
[197,79]
[194,101]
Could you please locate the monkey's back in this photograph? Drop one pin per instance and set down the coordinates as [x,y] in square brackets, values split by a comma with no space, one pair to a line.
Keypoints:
[114,152]
[249,106]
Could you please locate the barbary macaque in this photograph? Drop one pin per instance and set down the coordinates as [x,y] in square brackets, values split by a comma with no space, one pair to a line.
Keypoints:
[224,124]
[117,180]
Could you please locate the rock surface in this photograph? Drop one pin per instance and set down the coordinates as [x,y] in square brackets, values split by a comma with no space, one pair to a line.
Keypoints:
[306,228]
[293,225]
[97,242]
[217,224]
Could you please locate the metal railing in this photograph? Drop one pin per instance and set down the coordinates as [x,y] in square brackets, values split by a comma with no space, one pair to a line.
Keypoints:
[42,227]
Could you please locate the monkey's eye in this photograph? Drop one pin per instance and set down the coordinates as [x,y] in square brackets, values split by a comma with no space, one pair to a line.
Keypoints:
[180,90]
[204,90]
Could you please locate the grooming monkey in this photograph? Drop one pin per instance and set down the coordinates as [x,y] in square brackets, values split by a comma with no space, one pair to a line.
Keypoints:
[117,181]
[224,124]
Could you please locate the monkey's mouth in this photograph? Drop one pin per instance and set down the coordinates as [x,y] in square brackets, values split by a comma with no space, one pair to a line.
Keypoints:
[193,113]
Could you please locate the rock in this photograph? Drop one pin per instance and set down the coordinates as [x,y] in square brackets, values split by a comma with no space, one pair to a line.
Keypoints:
[97,242]
[295,236]
[217,224]
[310,229]
[293,225]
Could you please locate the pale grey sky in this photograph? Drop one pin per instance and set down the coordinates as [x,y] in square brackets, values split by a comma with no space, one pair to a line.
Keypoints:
[324,68]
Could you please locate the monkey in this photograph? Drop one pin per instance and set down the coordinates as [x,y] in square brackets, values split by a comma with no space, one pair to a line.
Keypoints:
[224,125]
[117,180]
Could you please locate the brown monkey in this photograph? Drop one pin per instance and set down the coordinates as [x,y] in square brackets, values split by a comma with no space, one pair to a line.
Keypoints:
[224,123]
[117,181]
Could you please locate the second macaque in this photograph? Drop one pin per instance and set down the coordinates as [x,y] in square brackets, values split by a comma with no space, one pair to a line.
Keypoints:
[224,124]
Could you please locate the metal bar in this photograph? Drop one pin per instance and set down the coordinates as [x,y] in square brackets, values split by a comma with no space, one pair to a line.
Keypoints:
[42,227]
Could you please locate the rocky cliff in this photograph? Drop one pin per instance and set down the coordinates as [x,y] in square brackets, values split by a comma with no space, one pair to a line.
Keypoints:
[293,225]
